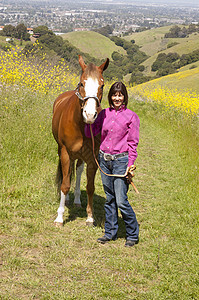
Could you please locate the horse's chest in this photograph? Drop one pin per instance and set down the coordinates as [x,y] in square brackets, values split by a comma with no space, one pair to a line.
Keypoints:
[85,152]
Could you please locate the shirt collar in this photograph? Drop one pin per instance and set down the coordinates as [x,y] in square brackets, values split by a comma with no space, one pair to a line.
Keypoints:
[122,107]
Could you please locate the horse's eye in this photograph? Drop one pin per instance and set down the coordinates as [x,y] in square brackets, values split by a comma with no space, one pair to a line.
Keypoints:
[81,84]
[102,87]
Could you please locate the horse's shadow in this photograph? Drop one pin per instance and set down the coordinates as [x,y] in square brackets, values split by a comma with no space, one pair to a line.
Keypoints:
[75,212]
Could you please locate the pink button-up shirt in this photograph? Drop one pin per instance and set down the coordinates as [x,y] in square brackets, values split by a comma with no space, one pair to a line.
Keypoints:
[119,131]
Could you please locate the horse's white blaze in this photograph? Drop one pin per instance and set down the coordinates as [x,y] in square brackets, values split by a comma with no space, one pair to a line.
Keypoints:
[91,88]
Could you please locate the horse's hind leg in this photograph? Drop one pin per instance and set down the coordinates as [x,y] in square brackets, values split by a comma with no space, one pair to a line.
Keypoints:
[77,192]
[65,186]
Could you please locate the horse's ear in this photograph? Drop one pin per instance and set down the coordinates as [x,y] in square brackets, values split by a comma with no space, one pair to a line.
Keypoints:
[104,66]
[82,63]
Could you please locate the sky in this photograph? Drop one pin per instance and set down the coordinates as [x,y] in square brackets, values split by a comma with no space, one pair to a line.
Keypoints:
[171,2]
[192,3]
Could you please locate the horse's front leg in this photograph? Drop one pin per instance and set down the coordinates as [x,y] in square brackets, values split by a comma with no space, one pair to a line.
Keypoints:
[64,170]
[90,188]
[60,212]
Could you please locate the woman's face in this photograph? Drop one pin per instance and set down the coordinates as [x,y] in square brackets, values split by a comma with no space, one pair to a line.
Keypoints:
[117,99]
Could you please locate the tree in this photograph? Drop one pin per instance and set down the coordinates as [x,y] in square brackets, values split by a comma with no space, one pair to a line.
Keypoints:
[116,56]
[53,42]
[106,30]
[9,30]
[42,30]
[21,32]
[171,57]
[161,58]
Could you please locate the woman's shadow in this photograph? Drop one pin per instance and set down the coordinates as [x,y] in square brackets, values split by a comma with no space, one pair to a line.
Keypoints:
[99,214]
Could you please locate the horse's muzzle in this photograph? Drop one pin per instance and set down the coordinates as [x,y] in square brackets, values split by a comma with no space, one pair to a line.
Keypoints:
[89,118]
[90,111]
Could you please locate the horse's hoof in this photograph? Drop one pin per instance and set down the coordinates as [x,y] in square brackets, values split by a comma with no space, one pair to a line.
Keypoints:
[77,205]
[89,224]
[58,224]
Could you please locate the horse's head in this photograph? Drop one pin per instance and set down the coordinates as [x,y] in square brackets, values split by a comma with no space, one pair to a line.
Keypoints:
[90,89]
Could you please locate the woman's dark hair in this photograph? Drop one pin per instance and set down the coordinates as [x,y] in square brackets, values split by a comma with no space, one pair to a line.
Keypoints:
[118,87]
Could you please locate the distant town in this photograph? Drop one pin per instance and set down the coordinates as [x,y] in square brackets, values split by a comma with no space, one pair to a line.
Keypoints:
[66,16]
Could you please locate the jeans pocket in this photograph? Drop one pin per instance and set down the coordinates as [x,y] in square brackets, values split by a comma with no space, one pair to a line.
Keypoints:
[121,164]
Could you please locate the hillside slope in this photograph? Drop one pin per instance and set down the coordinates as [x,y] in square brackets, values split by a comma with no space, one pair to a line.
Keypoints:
[185,46]
[151,41]
[184,80]
[93,43]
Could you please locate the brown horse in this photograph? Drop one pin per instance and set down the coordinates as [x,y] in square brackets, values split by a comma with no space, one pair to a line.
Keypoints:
[71,111]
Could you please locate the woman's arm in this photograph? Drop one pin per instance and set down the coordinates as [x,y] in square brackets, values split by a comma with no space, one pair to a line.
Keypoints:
[133,139]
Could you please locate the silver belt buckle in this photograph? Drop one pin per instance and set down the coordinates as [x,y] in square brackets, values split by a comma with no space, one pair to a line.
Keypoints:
[107,157]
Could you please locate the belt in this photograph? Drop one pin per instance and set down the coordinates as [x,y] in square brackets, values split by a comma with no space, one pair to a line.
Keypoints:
[109,157]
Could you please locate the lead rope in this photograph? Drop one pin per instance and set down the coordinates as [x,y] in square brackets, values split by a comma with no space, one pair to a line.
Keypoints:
[110,175]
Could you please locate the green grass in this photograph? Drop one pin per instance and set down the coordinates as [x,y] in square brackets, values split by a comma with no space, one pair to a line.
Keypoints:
[93,43]
[186,79]
[40,261]
[190,66]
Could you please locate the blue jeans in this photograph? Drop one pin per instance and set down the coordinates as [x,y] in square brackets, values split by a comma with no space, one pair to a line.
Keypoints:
[116,189]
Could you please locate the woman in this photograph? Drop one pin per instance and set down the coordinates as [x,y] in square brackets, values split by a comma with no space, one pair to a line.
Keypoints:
[119,129]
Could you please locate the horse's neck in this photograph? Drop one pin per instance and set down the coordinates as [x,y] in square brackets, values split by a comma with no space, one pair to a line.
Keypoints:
[77,115]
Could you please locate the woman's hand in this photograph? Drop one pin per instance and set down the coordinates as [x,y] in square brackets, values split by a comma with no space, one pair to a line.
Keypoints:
[129,173]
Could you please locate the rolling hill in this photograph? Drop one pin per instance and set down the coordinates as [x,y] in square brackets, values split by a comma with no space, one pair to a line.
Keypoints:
[152,42]
[185,46]
[93,43]
[183,80]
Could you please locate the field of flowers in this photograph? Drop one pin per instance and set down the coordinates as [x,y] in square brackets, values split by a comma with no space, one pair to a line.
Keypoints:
[46,76]
[185,101]
[37,73]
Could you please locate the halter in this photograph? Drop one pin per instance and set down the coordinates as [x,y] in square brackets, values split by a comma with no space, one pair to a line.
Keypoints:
[85,98]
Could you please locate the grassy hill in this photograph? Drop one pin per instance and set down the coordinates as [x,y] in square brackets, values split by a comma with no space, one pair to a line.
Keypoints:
[93,43]
[185,79]
[150,41]
[185,46]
